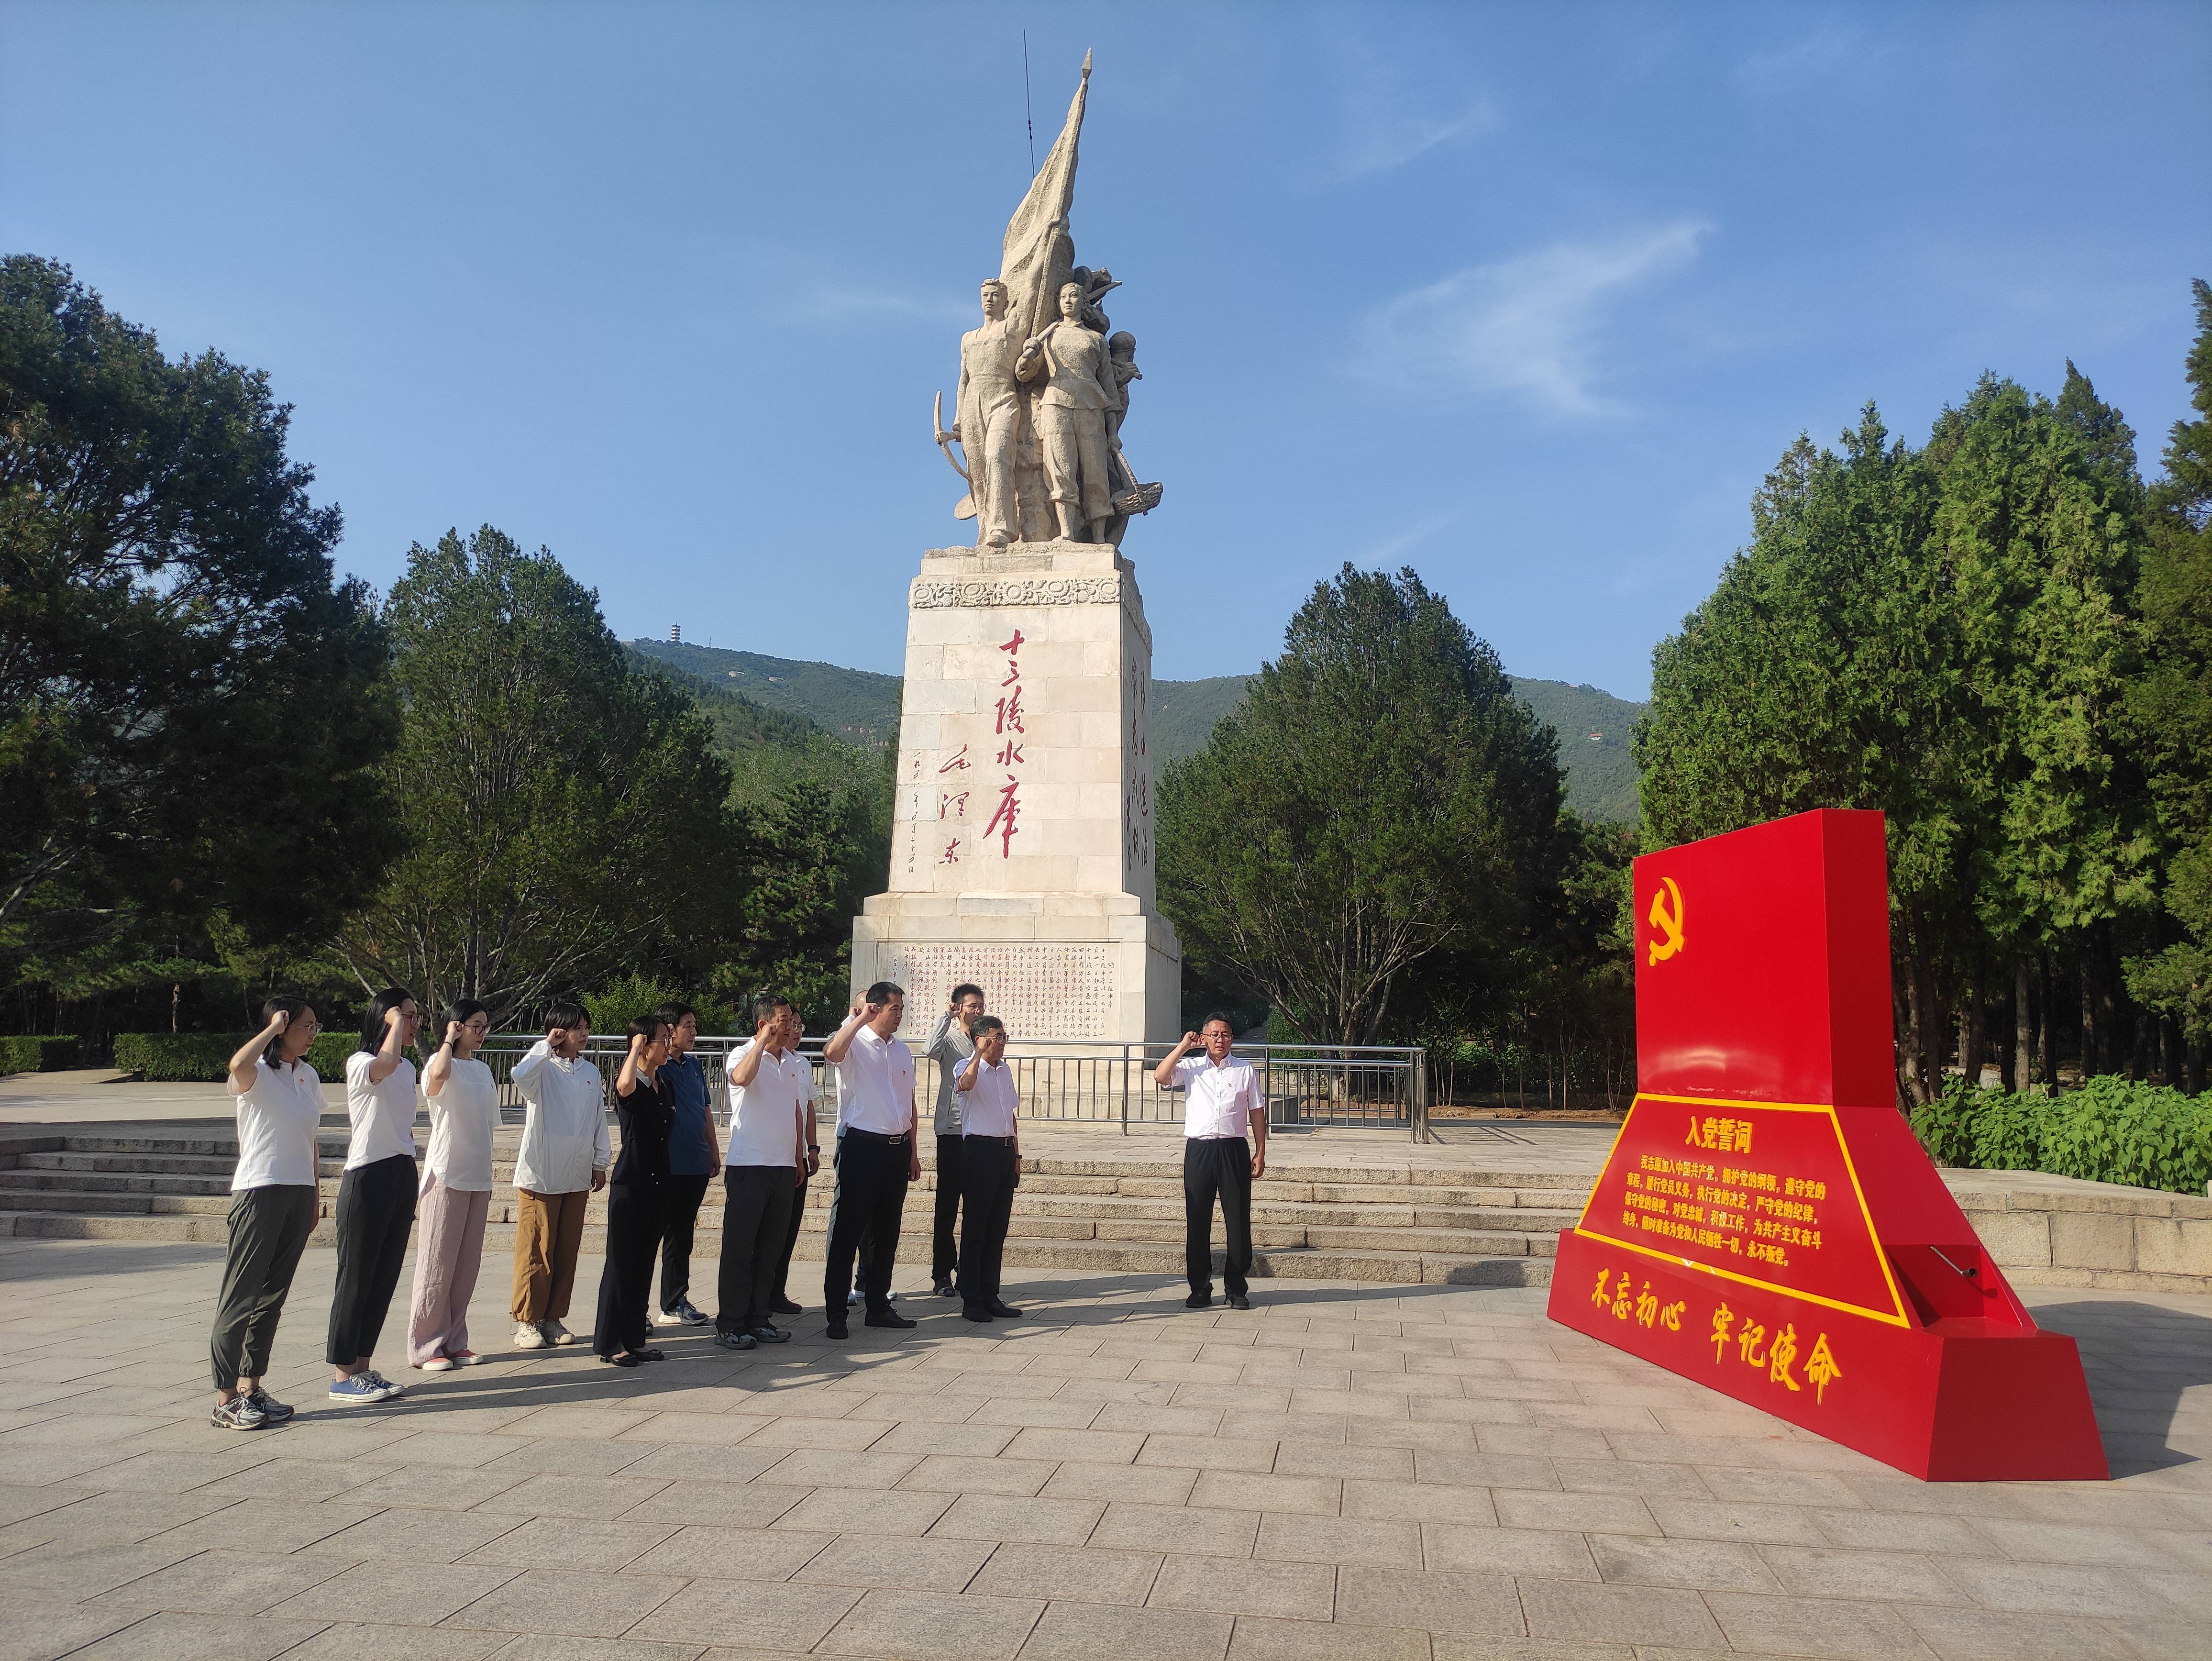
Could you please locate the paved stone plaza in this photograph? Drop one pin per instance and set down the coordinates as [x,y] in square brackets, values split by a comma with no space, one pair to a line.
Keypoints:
[1423,1471]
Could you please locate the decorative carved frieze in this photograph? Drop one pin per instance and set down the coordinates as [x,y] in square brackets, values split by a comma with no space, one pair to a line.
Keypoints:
[1021,590]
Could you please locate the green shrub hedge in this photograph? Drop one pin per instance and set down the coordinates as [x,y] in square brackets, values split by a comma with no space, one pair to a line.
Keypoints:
[39,1053]
[2110,1131]
[204,1058]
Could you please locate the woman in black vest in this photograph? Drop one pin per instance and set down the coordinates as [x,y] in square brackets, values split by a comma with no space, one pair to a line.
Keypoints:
[637,1199]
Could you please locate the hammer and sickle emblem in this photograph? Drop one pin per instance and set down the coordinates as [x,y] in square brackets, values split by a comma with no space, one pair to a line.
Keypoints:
[1666,916]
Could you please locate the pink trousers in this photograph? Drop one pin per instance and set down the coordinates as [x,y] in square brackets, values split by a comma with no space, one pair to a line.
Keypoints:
[448,1249]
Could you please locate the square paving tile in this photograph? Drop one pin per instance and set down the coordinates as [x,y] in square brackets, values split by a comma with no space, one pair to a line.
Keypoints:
[430,1536]
[568,1600]
[1087,1574]
[1485,1603]
[923,1625]
[226,1583]
[890,1560]
[1086,1632]
[754,1614]
[718,1554]
[394,1593]
[559,1542]
[174,1637]
[1178,1530]
[1264,1640]
[1244,1585]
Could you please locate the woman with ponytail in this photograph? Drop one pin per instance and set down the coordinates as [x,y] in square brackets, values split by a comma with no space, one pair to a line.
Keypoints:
[454,1197]
[274,1202]
[376,1196]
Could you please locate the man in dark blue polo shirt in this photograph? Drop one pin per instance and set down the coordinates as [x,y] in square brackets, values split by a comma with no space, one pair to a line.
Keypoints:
[694,1157]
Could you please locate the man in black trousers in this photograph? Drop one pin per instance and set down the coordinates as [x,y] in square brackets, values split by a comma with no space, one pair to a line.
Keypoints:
[1221,1100]
[877,1156]
[991,1165]
[951,1045]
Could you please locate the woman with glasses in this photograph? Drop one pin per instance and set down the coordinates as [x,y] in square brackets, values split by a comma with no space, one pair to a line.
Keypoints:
[274,1201]
[376,1196]
[637,1199]
[454,1199]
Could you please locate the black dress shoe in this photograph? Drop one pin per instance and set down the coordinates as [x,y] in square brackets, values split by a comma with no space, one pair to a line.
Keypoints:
[969,1312]
[887,1317]
[770,1335]
[944,1289]
[785,1307]
[835,1329]
[1199,1300]
[1238,1301]
[1004,1311]
[650,1354]
[624,1359]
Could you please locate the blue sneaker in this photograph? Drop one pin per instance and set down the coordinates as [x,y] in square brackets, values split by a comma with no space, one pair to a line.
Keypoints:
[359,1388]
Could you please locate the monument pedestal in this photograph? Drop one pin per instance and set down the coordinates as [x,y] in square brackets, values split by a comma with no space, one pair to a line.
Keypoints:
[1021,842]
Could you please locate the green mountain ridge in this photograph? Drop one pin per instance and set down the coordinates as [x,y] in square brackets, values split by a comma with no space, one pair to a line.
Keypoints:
[862,708]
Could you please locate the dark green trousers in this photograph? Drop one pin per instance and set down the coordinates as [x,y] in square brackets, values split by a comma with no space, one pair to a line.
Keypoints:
[269,1230]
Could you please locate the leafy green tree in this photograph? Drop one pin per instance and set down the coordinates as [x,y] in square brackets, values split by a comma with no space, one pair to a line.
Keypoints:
[564,812]
[1944,635]
[1378,800]
[813,855]
[190,705]
[2173,705]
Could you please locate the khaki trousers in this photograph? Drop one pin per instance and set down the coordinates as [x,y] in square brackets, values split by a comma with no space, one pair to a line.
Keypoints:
[549,1232]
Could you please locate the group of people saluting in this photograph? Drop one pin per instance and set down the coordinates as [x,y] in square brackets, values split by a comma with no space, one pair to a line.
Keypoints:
[669,1150]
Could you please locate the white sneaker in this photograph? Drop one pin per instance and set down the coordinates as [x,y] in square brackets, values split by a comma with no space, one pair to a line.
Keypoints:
[438,1364]
[556,1333]
[527,1336]
[386,1390]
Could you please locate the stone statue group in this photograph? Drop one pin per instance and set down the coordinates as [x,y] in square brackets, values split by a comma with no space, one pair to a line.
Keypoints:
[1044,385]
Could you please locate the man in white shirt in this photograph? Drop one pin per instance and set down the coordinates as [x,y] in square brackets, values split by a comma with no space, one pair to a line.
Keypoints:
[877,1154]
[951,1045]
[771,1085]
[990,1165]
[562,1161]
[1221,1099]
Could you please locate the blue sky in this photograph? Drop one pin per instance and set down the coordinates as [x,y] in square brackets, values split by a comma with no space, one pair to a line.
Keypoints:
[1528,297]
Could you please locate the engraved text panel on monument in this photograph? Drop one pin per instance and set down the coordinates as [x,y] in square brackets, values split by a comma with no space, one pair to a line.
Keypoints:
[1041,990]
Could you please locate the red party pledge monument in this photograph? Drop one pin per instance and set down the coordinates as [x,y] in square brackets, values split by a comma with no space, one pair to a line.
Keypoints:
[1767,1223]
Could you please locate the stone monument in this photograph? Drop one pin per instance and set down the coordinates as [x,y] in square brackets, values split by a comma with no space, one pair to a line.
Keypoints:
[1022,845]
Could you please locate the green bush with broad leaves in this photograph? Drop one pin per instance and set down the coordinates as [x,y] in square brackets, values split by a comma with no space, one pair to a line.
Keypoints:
[2111,1130]
[39,1053]
[204,1058]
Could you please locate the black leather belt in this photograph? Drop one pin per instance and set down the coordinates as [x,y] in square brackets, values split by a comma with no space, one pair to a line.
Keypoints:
[978,1136]
[874,1135]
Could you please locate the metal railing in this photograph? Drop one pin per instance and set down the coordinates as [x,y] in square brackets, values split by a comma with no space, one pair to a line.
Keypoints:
[1095,1081]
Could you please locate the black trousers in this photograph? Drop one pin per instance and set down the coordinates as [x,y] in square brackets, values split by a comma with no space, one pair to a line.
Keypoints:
[871,1197]
[988,1169]
[755,1217]
[790,1243]
[376,1208]
[636,1212]
[944,1247]
[269,1230]
[1216,1167]
[685,1195]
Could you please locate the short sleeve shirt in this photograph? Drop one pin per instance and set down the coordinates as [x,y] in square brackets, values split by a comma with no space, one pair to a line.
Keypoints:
[463,1117]
[988,1107]
[383,1114]
[277,1122]
[1218,1101]
[765,1114]
[684,1082]
[875,1086]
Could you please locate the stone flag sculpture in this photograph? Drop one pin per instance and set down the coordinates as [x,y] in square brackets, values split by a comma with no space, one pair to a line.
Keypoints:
[1044,384]
[1768,1224]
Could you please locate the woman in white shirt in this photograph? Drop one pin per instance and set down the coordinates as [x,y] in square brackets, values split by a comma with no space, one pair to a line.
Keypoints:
[562,1162]
[274,1203]
[376,1196]
[454,1198]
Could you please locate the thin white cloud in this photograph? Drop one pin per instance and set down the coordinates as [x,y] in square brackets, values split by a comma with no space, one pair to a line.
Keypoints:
[1827,55]
[842,302]
[1384,133]
[1391,547]
[1531,324]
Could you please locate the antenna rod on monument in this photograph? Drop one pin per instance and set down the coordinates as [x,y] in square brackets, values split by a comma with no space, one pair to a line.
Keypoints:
[1028,119]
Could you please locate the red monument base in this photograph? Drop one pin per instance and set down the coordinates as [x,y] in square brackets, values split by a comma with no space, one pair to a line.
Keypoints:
[1768,1224]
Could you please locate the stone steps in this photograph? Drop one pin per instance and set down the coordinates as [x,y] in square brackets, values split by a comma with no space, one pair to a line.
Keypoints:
[1123,1214]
